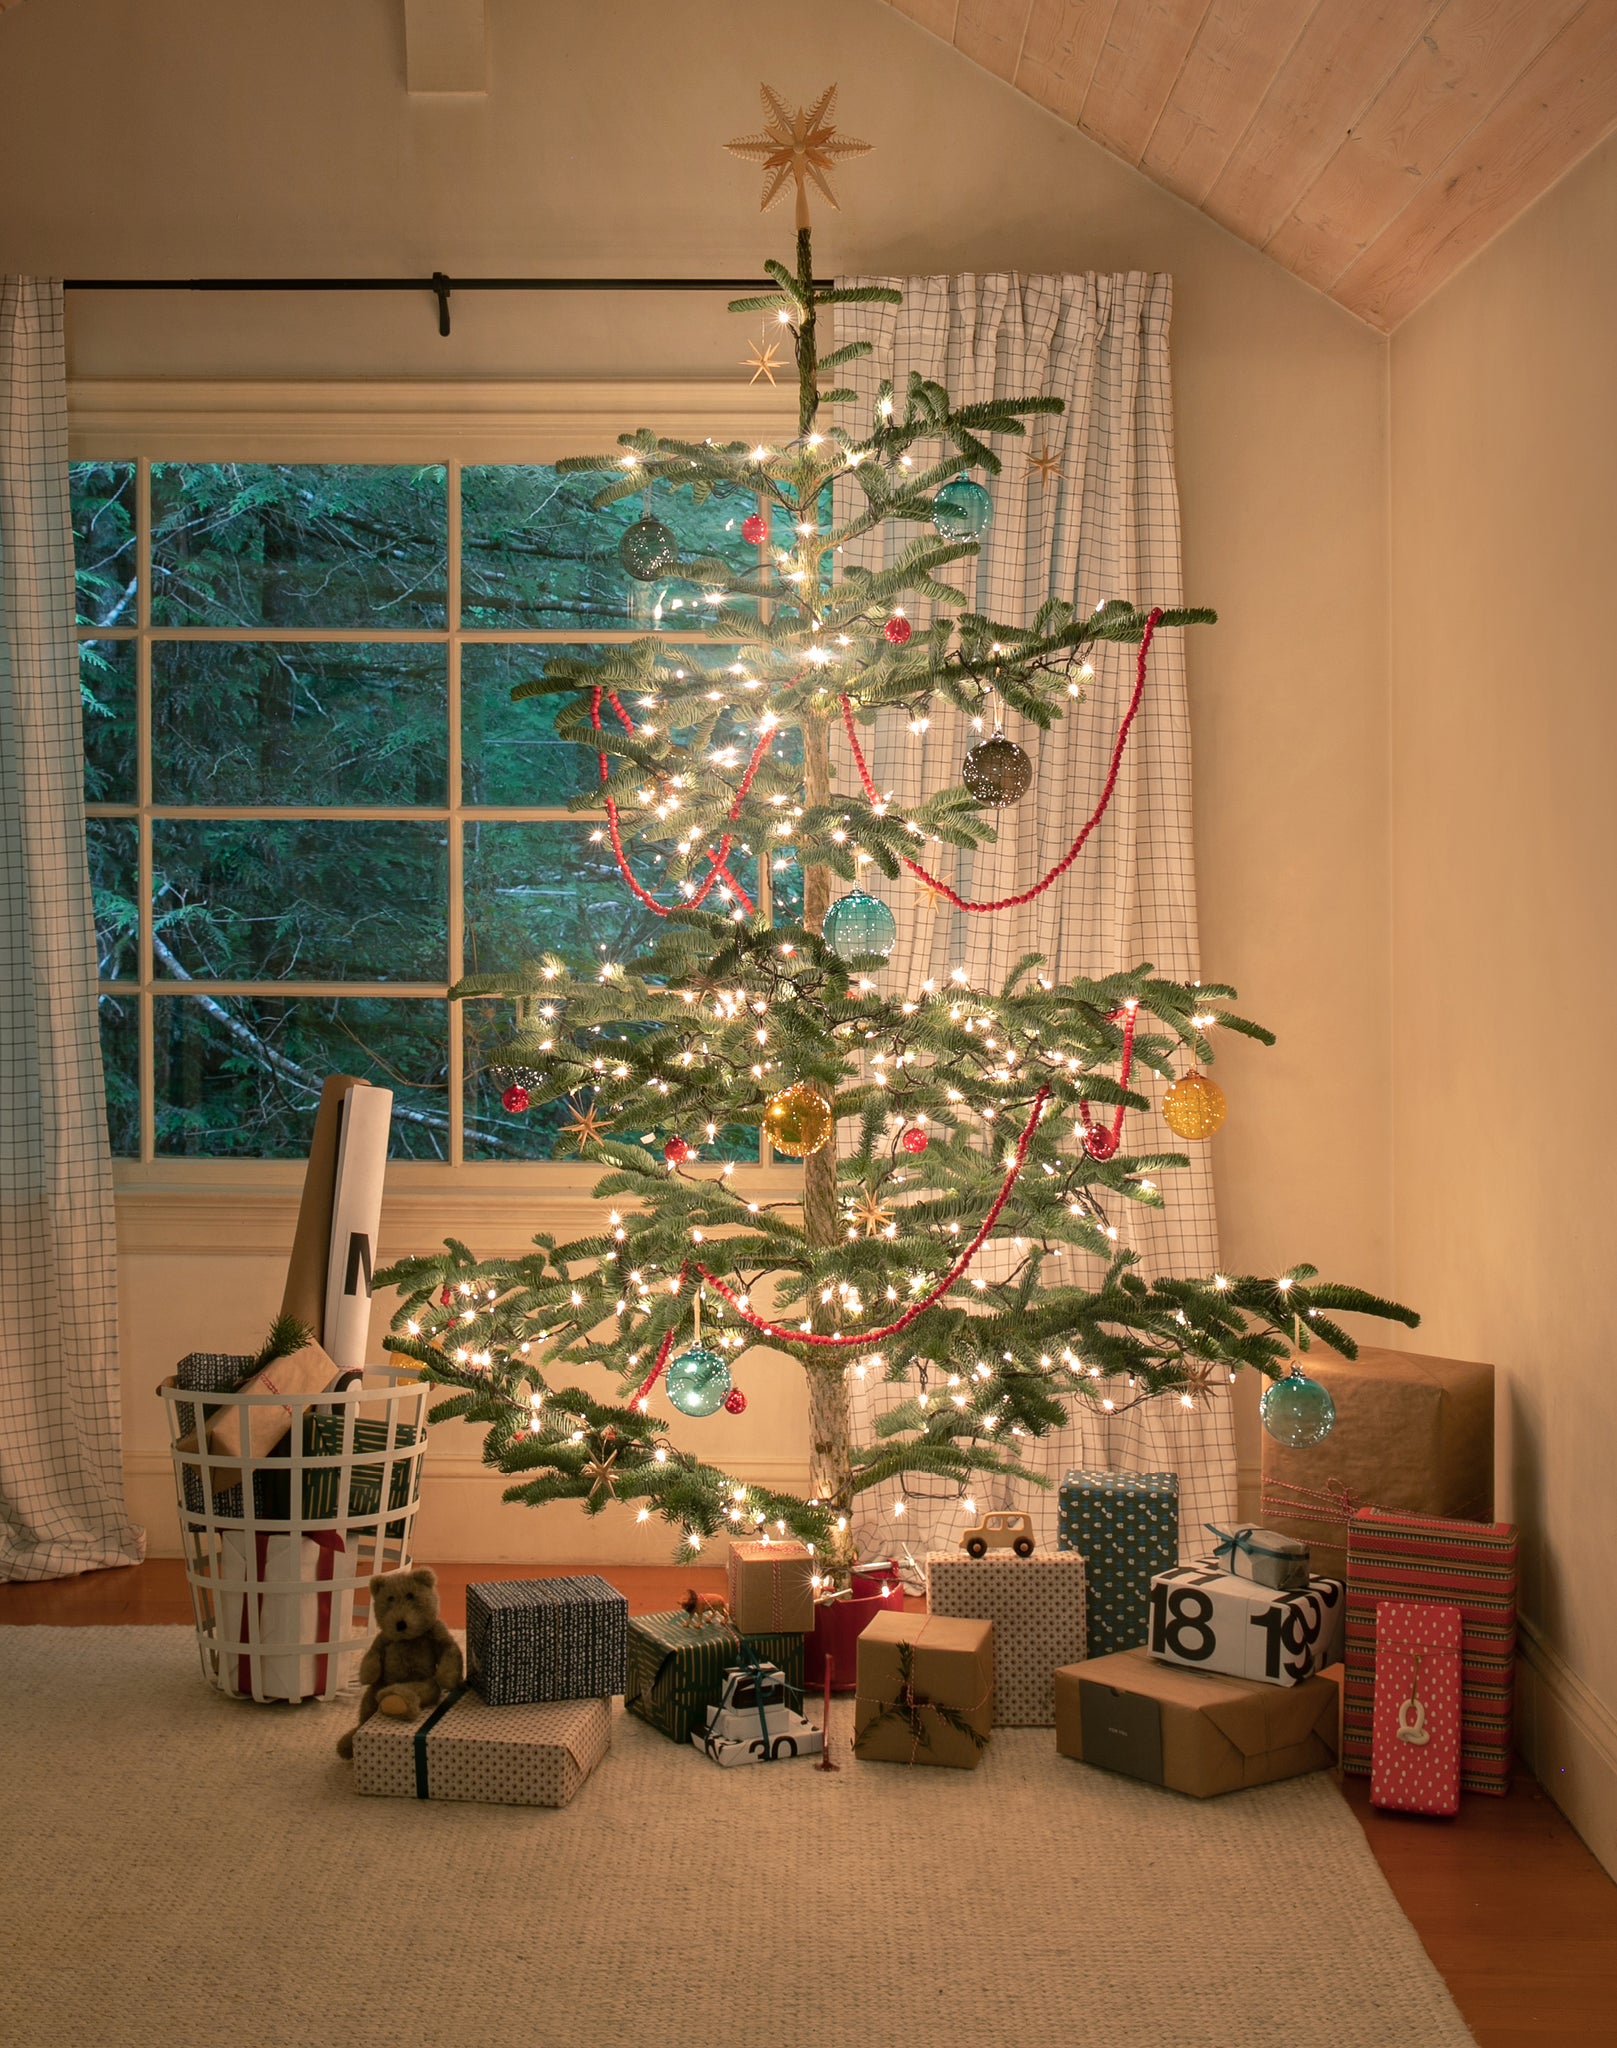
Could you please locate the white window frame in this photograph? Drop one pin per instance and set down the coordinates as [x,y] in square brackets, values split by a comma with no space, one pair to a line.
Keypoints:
[146,421]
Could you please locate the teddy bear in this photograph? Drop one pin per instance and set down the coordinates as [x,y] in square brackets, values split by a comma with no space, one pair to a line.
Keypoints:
[414,1660]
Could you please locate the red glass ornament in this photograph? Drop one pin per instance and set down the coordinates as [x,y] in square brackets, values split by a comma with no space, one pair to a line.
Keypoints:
[735,1401]
[754,529]
[676,1151]
[898,629]
[515,1098]
[1099,1142]
[914,1140]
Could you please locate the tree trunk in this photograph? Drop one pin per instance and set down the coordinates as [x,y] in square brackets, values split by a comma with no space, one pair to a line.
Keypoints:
[830,1422]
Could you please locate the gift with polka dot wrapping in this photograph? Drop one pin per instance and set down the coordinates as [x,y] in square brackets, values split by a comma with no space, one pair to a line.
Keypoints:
[1415,1737]
[1125,1526]
[533,1755]
[1037,1607]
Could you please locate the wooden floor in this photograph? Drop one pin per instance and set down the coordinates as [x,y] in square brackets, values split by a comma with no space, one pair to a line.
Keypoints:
[1512,1908]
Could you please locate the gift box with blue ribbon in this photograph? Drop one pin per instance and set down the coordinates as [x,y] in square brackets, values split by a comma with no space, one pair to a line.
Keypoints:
[1265,1556]
[533,1755]
[1125,1526]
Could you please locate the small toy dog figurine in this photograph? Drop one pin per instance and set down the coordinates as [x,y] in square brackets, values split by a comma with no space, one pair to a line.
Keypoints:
[701,1608]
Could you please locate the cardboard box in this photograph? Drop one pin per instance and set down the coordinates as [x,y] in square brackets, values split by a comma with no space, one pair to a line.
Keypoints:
[533,1640]
[1432,1561]
[1192,1731]
[1214,1621]
[1412,1433]
[675,1672]
[532,1755]
[910,1667]
[1125,1526]
[769,1587]
[1037,1607]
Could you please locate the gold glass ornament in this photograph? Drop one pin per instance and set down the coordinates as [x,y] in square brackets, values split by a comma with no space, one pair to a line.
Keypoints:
[798,1120]
[1194,1106]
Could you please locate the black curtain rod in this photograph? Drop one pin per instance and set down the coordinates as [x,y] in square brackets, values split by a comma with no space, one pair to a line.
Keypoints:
[438,284]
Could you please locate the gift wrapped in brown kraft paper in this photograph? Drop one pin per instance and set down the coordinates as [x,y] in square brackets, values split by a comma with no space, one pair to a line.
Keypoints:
[926,1691]
[1411,1433]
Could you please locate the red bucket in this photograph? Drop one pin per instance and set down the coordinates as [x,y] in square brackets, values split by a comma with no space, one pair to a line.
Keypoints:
[838,1625]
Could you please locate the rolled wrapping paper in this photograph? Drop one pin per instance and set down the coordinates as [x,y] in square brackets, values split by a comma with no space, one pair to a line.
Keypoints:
[305,1295]
[356,1213]
[309,1371]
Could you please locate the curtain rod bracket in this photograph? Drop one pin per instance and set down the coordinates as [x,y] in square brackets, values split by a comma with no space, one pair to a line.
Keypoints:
[440,286]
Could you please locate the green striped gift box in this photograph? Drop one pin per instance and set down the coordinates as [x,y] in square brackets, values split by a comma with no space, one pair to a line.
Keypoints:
[323,1438]
[1431,1560]
[676,1671]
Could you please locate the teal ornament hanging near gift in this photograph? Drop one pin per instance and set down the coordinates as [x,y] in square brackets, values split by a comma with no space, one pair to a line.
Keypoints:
[1297,1411]
[857,925]
[698,1381]
[962,510]
[648,550]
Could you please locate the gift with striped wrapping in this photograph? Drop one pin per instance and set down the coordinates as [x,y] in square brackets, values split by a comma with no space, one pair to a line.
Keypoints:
[1433,1561]
[535,1640]
[676,1668]
[770,1586]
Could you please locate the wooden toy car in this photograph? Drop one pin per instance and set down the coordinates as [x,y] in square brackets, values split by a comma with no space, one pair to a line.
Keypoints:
[998,1531]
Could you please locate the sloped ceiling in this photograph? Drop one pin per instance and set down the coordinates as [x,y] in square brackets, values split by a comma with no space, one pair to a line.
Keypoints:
[1369,146]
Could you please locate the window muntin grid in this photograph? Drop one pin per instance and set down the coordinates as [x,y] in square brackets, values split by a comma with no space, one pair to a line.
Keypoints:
[135,661]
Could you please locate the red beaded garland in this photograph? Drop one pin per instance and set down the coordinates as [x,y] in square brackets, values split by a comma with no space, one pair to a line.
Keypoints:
[898,629]
[735,1401]
[754,528]
[914,1140]
[515,1098]
[446,1297]
[676,1151]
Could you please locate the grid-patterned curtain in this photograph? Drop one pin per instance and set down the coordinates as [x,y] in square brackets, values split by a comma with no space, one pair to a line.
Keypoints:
[1104,524]
[61,1485]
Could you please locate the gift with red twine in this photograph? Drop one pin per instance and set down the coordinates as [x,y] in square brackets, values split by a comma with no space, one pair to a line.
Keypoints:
[770,1587]
[926,1691]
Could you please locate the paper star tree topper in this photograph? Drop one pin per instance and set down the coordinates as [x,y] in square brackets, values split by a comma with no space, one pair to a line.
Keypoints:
[802,146]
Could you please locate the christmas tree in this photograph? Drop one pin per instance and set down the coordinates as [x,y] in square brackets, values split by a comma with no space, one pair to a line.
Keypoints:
[933,1123]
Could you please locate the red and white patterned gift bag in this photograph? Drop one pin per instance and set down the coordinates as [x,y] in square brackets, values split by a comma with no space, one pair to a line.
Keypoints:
[1415,1728]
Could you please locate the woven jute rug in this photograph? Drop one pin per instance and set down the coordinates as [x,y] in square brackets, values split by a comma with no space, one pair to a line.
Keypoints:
[181,1870]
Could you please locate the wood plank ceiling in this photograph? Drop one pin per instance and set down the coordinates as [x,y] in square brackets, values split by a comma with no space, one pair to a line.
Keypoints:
[1370,146]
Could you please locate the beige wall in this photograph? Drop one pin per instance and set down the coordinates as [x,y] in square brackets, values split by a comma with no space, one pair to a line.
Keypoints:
[1504,728]
[180,137]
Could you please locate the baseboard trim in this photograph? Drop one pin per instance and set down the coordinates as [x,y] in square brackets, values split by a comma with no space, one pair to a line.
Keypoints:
[1568,1736]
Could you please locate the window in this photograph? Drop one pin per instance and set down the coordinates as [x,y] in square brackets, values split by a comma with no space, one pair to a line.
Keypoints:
[312,804]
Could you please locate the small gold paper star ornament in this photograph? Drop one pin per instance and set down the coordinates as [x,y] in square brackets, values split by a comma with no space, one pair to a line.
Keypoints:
[763,359]
[869,1214]
[1045,466]
[802,146]
[586,1128]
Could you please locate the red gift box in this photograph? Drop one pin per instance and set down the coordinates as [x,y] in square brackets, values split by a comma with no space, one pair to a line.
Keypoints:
[1431,1561]
[839,1623]
[1415,1730]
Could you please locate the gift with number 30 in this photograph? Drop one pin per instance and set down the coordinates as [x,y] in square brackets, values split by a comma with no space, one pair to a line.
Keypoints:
[1213,1621]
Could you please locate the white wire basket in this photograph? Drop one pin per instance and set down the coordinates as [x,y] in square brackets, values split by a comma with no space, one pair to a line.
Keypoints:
[280,1550]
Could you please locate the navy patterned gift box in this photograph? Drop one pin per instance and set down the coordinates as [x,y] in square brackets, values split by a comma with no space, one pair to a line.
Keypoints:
[1125,1525]
[530,1640]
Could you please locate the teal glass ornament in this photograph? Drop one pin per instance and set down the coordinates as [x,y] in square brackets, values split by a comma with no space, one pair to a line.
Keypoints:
[1297,1411]
[857,924]
[647,549]
[962,510]
[698,1381]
